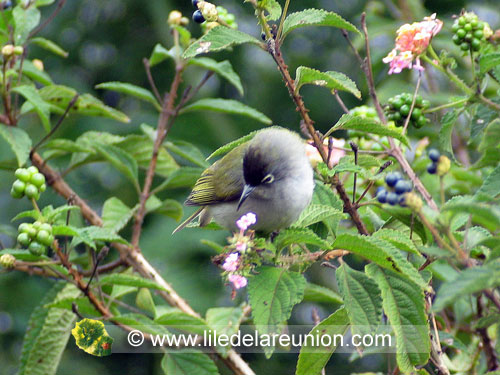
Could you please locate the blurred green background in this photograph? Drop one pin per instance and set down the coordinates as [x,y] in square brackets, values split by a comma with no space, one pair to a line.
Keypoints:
[107,41]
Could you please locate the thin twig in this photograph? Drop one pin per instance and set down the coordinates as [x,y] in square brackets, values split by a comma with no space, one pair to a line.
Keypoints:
[417,87]
[147,67]
[59,6]
[354,147]
[340,101]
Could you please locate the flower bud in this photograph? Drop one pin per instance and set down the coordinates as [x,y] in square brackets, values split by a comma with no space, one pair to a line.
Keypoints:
[413,201]
[18,50]
[184,21]
[210,25]
[7,261]
[38,64]
[174,18]
[8,50]
[208,10]
[443,165]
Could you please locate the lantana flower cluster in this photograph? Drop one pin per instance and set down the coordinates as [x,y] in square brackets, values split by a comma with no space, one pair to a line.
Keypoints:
[411,41]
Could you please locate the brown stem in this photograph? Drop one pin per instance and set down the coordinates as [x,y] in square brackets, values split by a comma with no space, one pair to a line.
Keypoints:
[59,6]
[152,83]
[105,267]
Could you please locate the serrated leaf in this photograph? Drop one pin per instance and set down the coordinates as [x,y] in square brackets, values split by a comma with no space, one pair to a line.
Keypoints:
[119,159]
[380,252]
[83,304]
[19,141]
[100,234]
[30,213]
[405,216]
[33,97]
[179,320]
[144,300]
[132,90]
[272,293]
[324,195]
[315,213]
[160,54]
[25,20]
[486,215]
[217,39]
[315,17]
[224,321]
[49,45]
[318,293]
[226,106]
[330,80]
[312,358]
[272,7]
[190,363]
[469,281]
[52,214]
[491,185]
[47,333]
[116,214]
[292,236]
[232,145]
[489,146]
[367,125]
[361,297]
[129,280]
[489,61]
[404,305]
[398,239]
[447,123]
[223,68]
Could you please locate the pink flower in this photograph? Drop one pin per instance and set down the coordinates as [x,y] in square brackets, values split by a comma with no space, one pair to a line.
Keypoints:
[231,262]
[335,156]
[246,221]
[238,281]
[411,41]
[241,245]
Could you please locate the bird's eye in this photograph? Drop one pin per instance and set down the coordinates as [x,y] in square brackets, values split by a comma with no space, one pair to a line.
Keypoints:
[268,179]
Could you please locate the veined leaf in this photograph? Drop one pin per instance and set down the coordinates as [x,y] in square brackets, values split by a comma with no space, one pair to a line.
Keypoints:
[272,7]
[404,305]
[129,280]
[447,123]
[361,297]
[398,239]
[489,146]
[223,68]
[330,80]
[188,363]
[225,321]
[315,213]
[217,39]
[132,90]
[227,106]
[19,141]
[315,17]
[312,358]
[169,207]
[121,160]
[380,252]
[491,186]
[486,215]
[25,20]
[367,125]
[318,293]
[41,108]
[116,214]
[292,236]
[187,151]
[160,54]
[49,45]
[489,61]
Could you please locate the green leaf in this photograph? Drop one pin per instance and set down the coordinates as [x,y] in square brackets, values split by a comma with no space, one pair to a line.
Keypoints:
[83,304]
[30,213]
[318,293]
[330,80]
[367,125]
[116,214]
[489,61]
[119,159]
[398,239]
[405,216]
[33,97]
[227,106]
[182,177]
[232,145]
[129,280]
[217,39]
[489,145]
[447,123]
[160,54]
[180,320]
[187,151]
[25,20]
[324,195]
[169,207]
[19,142]
[49,45]
[491,185]
[22,254]
[361,297]
[188,364]
[292,236]
[132,90]
[381,252]
[98,234]
[482,213]
[313,358]
[315,213]
[315,17]
[272,7]
[35,74]
[48,332]
[144,300]
[223,68]
[404,305]
[469,281]
[53,214]
[224,321]
[272,293]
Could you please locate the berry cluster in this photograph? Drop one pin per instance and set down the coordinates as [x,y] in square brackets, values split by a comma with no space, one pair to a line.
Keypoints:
[364,111]
[468,32]
[36,237]
[439,165]
[29,182]
[205,11]
[398,187]
[399,107]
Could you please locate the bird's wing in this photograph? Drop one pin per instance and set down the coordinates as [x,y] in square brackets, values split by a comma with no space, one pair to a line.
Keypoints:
[217,184]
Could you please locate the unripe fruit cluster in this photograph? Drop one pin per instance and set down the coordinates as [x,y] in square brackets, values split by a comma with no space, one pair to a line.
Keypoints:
[205,11]
[36,237]
[364,111]
[468,32]
[396,190]
[399,106]
[7,261]
[29,182]
[440,164]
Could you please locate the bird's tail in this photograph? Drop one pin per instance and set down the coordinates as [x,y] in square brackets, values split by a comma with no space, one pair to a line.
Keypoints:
[188,220]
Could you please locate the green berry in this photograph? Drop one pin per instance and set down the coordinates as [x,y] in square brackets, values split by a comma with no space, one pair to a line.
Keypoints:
[391,116]
[475,44]
[456,39]
[455,27]
[32,232]
[461,33]
[31,191]
[426,104]
[418,101]
[404,110]
[420,122]
[43,237]
[480,25]
[478,34]
[468,36]
[397,104]
[46,227]
[397,116]
[37,179]
[36,248]
[37,225]
[461,21]
[14,194]
[18,186]
[464,46]
[42,188]
[23,227]
[467,27]
[474,23]
[416,114]
[23,174]
[407,98]
[32,170]
[23,239]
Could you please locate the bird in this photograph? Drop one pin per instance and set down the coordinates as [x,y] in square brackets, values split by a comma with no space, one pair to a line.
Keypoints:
[269,175]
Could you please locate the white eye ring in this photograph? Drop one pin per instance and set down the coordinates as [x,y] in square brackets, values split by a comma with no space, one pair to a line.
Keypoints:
[269,179]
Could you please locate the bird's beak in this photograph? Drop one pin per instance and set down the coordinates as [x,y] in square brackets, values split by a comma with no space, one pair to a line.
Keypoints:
[247,190]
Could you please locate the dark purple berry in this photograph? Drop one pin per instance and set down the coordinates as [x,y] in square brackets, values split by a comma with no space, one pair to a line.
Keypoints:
[392,198]
[198,17]
[432,168]
[195,3]
[402,187]
[382,195]
[392,178]
[263,36]
[402,200]
[434,155]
